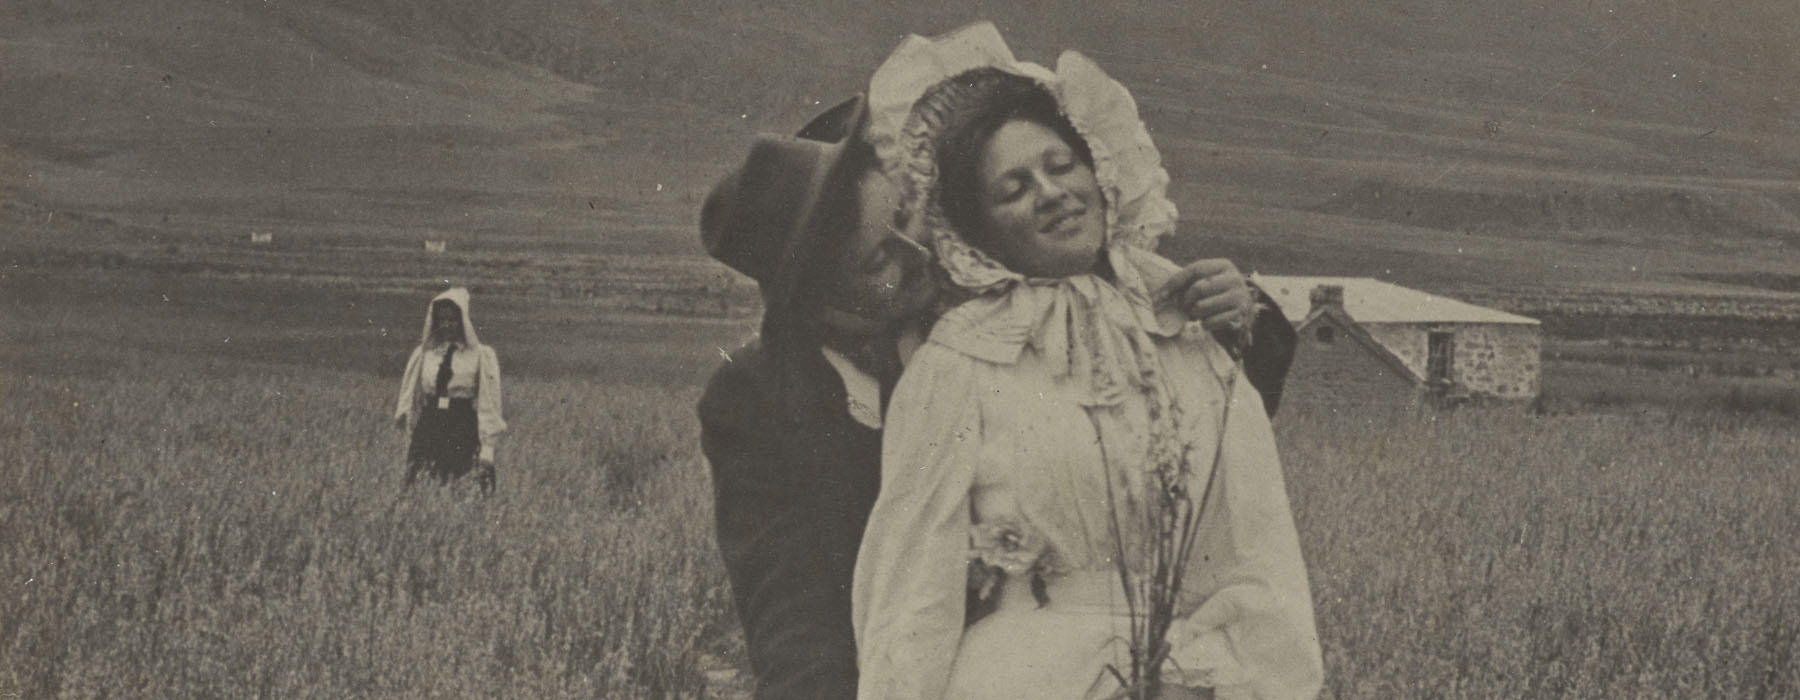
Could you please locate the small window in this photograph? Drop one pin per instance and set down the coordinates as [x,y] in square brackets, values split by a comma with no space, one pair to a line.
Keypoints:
[1326,334]
[1440,362]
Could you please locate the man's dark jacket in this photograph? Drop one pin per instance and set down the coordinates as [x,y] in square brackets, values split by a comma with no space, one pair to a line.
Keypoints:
[794,482]
[794,479]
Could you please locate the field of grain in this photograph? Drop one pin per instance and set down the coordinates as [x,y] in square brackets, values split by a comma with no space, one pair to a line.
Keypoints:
[1481,554]
[227,531]
[201,499]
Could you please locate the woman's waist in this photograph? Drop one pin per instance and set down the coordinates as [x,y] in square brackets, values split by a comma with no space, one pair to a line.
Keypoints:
[450,402]
[1096,591]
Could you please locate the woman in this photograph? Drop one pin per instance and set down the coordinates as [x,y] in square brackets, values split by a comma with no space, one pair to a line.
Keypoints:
[450,395]
[1025,436]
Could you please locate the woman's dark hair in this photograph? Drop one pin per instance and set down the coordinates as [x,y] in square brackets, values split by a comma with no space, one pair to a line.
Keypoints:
[967,110]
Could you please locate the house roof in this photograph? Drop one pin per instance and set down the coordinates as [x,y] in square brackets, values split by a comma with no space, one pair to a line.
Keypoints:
[1370,300]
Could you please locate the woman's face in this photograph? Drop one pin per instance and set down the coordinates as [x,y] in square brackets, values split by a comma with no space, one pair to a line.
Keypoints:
[446,322]
[1041,205]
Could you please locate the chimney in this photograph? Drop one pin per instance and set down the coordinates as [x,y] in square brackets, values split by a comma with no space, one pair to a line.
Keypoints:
[1328,295]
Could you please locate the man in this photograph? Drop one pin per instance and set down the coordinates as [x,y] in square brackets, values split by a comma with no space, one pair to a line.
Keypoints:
[791,424]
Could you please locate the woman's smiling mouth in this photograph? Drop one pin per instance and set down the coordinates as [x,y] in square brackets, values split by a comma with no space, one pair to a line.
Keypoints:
[1064,224]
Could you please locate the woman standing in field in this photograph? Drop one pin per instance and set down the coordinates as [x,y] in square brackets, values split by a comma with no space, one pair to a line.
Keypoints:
[1056,424]
[450,396]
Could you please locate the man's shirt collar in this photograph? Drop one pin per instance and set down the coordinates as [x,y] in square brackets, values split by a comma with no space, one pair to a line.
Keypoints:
[862,391]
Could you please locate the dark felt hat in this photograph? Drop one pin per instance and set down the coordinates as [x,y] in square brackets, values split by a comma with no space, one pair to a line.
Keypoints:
[767,219]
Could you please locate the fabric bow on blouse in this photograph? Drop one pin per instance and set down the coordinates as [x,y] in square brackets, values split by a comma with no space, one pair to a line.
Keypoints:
[1091,328]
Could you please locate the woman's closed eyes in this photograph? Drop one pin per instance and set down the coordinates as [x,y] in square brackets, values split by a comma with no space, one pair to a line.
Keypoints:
[1015,183]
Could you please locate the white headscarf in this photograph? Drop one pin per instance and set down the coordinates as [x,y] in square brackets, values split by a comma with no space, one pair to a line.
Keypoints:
[460,297]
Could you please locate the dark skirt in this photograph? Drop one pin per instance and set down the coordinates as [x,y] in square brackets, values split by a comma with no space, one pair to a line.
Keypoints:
[445,442]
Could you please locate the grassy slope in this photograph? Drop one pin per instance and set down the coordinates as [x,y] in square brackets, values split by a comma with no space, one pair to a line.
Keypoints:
[208,118]
[1509,143]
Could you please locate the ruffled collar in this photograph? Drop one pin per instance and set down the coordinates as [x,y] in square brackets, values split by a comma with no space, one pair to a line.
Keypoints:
[1099,333]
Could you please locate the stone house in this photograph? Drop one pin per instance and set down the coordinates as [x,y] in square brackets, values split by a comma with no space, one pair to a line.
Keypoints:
[1365,340]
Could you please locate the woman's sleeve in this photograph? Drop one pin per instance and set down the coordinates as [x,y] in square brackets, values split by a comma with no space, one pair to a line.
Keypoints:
[1254,635]
[908,596]
[487,398]
[409,384]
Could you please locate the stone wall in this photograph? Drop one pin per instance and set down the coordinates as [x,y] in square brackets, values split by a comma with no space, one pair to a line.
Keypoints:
[1330,367]
[1492,359]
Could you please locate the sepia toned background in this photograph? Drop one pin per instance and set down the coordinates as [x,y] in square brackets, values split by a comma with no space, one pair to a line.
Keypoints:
[221,220]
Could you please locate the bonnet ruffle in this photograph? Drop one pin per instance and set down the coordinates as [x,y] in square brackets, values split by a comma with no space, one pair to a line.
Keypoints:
[1090,330]
[1126,163]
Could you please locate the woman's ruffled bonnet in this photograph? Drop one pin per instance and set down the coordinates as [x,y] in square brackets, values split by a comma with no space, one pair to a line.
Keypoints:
[1097,332]
[1126,162]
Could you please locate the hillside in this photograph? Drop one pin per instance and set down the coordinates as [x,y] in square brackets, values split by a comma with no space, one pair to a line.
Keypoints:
[1509,143]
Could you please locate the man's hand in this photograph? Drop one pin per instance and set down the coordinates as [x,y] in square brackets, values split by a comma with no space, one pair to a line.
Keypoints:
[400,423]
[1211,291]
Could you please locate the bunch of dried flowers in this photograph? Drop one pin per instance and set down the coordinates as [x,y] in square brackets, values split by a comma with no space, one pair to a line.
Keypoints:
[1153,560]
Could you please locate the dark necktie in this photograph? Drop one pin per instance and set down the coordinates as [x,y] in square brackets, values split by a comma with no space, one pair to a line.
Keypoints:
[443,375]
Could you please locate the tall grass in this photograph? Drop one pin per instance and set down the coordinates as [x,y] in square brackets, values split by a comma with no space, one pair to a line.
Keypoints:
[1483,554]
[184,528]
[204,530]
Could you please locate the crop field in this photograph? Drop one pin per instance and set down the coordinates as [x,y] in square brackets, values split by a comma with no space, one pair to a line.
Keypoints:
[199,482]
[201,499]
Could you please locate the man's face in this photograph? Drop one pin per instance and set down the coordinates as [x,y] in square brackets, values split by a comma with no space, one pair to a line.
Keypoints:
[879,277]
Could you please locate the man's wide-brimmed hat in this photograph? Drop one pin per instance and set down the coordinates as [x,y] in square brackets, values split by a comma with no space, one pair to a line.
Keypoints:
[769,219]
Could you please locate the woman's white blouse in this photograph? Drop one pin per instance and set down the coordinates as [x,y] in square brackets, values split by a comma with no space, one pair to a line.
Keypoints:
[465,371]
[474,374]
[972,440]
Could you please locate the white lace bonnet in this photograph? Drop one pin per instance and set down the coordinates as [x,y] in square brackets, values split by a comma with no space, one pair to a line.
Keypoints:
[1126,162]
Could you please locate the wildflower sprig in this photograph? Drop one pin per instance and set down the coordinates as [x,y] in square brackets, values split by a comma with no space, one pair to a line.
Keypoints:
[1152,560]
